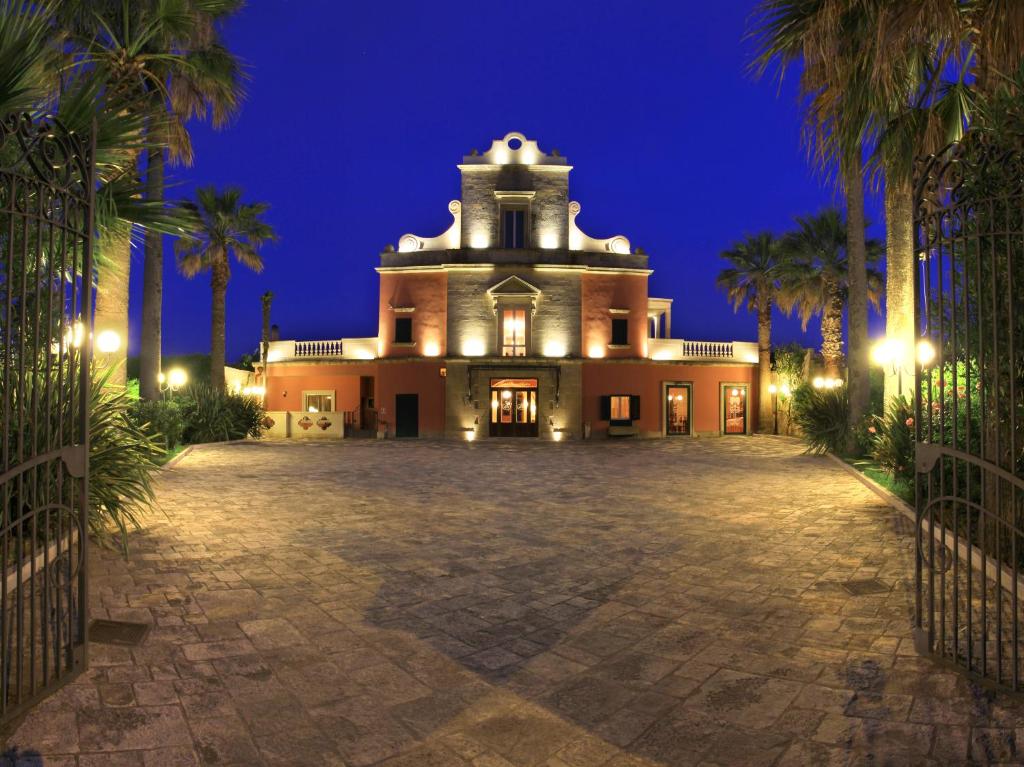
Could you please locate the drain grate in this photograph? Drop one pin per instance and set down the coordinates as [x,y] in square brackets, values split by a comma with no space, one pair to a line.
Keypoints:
[121,633]
[866,586]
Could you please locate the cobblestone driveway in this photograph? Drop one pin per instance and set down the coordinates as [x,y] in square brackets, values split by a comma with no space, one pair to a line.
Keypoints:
[577,605]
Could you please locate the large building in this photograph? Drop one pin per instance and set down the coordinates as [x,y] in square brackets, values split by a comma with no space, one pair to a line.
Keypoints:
[514,323]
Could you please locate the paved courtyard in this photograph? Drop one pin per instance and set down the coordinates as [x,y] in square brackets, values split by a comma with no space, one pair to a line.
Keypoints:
[576,605]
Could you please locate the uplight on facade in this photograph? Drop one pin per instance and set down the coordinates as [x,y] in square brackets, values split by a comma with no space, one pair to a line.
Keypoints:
[431,349]
[473,347]
[555,349]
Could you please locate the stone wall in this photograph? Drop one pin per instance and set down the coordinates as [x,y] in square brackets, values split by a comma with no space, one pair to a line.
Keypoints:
[549,208]
[473,327]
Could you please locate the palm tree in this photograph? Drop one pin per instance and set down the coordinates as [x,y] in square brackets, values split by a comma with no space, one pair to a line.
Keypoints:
[33,50]
[163,61]
[205,80]
[816,278]
[228,227]
[834,80]
[265,301]
[751,281]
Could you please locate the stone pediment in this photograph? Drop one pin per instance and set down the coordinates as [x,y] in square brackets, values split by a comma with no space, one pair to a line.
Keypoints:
[514,286]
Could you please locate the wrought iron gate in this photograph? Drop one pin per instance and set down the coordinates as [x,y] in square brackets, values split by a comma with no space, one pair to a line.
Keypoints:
[46,204]
[969,407]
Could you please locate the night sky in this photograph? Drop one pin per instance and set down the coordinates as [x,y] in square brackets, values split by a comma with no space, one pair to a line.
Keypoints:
[357,114]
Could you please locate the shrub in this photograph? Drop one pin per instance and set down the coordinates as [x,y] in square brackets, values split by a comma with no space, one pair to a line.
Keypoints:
[122,457]
[821,415]
[160,419]
[212,415]
[893,440]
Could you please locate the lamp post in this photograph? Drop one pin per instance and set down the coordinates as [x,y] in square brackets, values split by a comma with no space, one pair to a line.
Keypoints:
[174,379]
[890,354]
[774,391]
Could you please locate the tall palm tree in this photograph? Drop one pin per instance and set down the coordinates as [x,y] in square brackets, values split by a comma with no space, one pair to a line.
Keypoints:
[751,282]
[816,278]
[833,86]
[228,227]
[205,81]
[161,59]
[40,71]
[265,302]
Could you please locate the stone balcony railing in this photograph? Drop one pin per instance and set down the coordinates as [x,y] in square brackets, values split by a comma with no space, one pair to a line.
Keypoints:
[337,348]
[686,350]
[674,349]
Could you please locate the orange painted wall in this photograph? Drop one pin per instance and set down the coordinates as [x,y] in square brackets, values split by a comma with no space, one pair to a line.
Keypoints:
[422,377]
[285,384]
[645,379]
[428,293]
[601,292]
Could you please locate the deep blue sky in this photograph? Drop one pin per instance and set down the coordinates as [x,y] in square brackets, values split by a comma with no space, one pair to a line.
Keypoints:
[358,113]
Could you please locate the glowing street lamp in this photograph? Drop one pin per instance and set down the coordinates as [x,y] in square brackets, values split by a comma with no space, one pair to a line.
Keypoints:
[108,341]
[173,380]
[891,354]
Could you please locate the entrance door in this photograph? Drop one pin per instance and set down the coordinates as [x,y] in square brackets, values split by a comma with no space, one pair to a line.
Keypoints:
[407,415]
[513,407]
[734,409]
[677,410]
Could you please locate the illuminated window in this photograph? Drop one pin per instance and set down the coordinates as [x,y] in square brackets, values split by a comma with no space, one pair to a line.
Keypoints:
[513,227]
[620,331]
[403,330]
[620,408]
[513,333]
[318,401]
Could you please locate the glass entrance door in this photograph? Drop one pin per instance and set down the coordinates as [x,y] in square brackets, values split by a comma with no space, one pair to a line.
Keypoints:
[734,409]
[677,410]
[513,407]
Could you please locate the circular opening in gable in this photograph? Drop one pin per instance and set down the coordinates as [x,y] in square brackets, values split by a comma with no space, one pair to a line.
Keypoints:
[515,143]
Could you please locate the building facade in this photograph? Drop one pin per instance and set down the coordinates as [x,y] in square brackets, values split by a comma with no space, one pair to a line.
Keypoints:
[513,323]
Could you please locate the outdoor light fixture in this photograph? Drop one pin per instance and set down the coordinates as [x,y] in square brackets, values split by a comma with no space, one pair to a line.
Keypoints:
[473,347]
[431,349]
[773,389]
[891,354]
[174,379]
[925,353]
[554,349]
[107,342]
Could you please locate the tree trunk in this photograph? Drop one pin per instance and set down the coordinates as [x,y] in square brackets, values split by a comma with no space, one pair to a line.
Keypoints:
[857,354]
[111,312]
[899,284]
[764,354]
[832,331]
[219,284]
[267,298]
[152,287]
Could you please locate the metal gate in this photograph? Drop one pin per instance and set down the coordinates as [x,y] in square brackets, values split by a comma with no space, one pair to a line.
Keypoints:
[969,407]
[46,204]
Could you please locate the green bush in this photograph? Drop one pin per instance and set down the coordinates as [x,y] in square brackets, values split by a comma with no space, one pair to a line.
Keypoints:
[893,440]
[160,419]
[212,415]
[122,457]
[821,415]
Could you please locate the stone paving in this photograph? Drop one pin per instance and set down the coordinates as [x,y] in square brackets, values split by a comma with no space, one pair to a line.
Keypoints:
[568,605]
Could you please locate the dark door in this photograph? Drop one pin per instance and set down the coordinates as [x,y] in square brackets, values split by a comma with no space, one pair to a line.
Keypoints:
[407,415]
[513,407]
